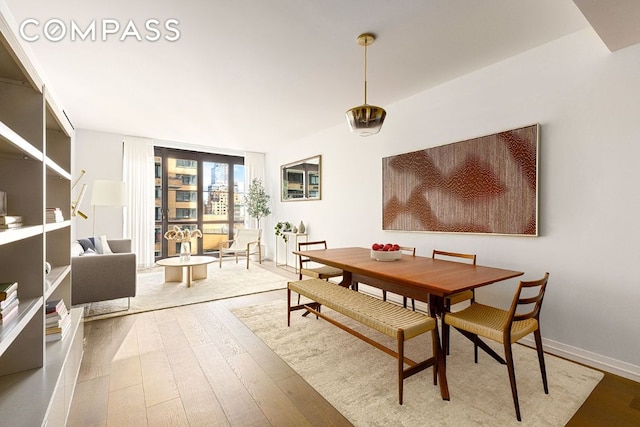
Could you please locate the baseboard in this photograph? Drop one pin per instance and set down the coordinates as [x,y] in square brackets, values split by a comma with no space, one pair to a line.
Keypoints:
[594,360]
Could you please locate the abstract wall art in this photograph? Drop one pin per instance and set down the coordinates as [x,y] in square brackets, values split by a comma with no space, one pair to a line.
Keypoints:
[485,185]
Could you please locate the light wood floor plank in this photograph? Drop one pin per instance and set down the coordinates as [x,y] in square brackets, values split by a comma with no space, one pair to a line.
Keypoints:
[157,378]
[169,413]
[199,401]
[191,326]
[149,338]
[276,406]
[125,373]
[127,407]
[89,404]
[311,403]
[236,401]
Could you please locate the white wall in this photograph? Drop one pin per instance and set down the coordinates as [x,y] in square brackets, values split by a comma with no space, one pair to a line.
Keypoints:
[100,155]
[587,102]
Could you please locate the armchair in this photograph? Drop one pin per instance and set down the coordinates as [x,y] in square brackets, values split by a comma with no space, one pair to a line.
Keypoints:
[246,242]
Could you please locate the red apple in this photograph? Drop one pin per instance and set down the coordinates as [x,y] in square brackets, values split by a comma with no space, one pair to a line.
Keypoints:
[396,247]
[375,247]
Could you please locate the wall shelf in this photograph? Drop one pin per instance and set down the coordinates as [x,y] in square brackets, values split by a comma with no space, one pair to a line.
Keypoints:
[37,379]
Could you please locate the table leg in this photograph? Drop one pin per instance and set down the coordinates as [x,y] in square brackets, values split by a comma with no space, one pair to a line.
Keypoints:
[189,271]
[199,272]
[436,306]
[173,274]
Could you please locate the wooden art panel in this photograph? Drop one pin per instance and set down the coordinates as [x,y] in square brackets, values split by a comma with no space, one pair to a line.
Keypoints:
[482,185]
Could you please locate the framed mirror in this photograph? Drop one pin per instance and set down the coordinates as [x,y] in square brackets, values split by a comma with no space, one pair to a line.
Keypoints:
[301,180]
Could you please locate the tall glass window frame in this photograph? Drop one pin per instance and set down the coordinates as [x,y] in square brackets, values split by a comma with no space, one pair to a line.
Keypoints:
[214,230]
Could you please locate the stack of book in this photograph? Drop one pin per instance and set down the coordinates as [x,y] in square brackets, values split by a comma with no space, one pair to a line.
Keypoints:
[54,215]
[8,301]
[57,320]
[10,221]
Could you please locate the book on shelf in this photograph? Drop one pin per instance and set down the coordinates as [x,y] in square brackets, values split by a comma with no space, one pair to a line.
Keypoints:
[57,336]
[54,215]
[64,323]
[54,322]
[6,289]
[9,299]
[9,310]
[8,314]
[54,333]
[10,226]
[10,219]
[55,306]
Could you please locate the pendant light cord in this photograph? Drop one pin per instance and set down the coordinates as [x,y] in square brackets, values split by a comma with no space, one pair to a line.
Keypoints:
[365,73]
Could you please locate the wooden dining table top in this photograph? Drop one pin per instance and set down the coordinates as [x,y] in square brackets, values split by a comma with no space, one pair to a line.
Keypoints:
[417,274]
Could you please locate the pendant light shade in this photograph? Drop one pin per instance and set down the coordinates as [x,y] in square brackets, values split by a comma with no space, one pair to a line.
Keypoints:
[365,119]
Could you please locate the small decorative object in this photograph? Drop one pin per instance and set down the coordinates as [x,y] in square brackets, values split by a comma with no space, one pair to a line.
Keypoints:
[294,229]
[257,201]
[47,268]
[386,252]
[301,227]
[184,238]
[281,228]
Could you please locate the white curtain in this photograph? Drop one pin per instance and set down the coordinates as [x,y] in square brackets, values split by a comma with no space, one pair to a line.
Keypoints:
[253,168]
[138,174]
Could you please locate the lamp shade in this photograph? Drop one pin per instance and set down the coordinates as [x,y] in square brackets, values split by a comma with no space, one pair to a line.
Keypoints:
[109,193]
[366,120]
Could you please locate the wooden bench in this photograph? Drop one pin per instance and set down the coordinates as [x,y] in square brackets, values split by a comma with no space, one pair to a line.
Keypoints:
[383,316]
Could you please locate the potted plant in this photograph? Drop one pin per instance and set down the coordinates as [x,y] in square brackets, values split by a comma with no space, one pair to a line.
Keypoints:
[257,201]
[281,227]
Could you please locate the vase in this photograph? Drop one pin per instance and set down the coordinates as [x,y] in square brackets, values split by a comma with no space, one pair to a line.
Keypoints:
[185,251]
[301,228]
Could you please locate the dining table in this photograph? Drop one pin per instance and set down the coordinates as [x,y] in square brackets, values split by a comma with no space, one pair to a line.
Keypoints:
[421,278]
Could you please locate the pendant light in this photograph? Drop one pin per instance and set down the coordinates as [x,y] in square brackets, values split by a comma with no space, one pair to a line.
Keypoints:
[365,119]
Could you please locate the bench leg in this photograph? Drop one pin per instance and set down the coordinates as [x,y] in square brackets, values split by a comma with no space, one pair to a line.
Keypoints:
[400,365]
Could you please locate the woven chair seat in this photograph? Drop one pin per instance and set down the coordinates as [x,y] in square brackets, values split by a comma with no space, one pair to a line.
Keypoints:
[382,316]
[489,322]
[460,296]
[322,272]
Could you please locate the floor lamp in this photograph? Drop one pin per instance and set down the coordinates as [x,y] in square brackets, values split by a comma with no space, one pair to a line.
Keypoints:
[107,193]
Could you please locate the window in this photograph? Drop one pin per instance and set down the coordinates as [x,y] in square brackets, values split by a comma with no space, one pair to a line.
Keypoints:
[197,190]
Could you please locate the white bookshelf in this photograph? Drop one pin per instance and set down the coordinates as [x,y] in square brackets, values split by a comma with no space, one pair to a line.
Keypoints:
[37,379]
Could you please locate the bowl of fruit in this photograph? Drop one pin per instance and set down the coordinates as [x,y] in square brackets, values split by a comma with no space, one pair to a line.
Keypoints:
[386,252]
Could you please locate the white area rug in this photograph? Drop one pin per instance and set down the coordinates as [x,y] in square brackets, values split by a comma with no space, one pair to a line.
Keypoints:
[361,381]
[154,293]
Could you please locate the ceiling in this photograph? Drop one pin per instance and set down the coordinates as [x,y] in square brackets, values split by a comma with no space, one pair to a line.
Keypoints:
[252,74]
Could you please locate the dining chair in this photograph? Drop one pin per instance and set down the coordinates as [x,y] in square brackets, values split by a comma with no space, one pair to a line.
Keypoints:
[409,250]
[507,326]
[311,269]
[308,268]
[457,297]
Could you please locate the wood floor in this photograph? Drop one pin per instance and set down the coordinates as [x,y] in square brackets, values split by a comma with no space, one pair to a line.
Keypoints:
[200,366]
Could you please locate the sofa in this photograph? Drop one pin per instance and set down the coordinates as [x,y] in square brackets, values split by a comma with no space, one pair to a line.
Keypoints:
[100,275]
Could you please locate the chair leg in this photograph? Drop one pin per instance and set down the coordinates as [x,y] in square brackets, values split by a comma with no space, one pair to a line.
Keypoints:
[543,370]
[289,307]
[384,295]
[512,378]
[475,349]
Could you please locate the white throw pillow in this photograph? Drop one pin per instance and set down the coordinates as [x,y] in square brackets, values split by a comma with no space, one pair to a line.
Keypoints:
[106,249]
[76,249]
